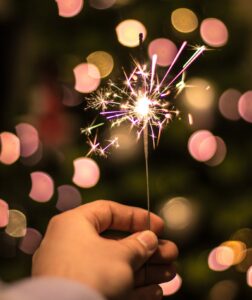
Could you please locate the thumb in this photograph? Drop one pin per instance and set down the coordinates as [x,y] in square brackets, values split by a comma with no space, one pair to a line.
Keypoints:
[140,247]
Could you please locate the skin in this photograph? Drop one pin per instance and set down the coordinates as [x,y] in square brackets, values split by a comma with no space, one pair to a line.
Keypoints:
[74,248]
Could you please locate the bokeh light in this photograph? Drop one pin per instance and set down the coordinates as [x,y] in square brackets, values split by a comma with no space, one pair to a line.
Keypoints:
[124,2]
[17,224]
[220,258]
[165,50]
[103,61]
[171,287]
[69,8]
[238,249]
[34,158]
[244,235]
[128,32]
[220,153]
[199,95]
[87,78]
[70,97]
[184,20]
[245,106]
[86,172]
[4,213]
[249,277]
[31,241]
[68,197]
[214,32]
[101,4]
[225,289]
[245,264]
[42,187]
[128,146]
[228,104]
[29,139]
[10,148]
[202,145]
[177,213]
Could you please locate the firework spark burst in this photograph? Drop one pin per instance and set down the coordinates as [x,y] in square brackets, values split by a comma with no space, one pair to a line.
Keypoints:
[143,101]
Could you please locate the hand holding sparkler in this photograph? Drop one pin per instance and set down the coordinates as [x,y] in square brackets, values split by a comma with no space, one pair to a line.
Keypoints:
[144,102]
[73,248]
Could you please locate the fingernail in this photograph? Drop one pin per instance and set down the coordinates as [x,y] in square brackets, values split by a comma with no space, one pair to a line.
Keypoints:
[148,239]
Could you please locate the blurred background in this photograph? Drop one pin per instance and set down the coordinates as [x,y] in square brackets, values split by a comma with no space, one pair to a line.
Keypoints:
[54,53]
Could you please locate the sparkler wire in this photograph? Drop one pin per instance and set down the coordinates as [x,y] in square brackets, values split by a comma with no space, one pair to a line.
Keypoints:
[141,102]
[146,157]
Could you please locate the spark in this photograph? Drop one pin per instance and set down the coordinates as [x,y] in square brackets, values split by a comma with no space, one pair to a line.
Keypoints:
[143,101]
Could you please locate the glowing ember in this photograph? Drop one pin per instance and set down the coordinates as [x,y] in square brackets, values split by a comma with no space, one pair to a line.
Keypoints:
[128,32]
[31,241]
[87,78]
[171,287]
[29,139]
[17,224]
[165,50]
[86,172]
[69,8]
[42,187]
[68,197]
[10,148]
[4,213]
[214,32]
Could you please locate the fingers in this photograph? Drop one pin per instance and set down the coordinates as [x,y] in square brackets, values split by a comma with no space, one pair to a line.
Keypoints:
[138,248]
[111,215]
[153,292]
[151,274]
[166,252]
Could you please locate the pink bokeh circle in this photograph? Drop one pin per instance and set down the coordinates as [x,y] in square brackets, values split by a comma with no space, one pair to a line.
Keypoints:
[214,32]
[202,145]
[245,106]
[165,50]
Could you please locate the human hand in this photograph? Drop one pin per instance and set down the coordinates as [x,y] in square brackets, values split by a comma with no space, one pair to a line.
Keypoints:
[73,248]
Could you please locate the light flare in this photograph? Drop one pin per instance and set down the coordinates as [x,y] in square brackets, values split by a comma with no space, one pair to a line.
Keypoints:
[144,102]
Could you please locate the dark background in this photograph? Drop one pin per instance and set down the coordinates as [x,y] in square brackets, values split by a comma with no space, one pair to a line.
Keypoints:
[39,48]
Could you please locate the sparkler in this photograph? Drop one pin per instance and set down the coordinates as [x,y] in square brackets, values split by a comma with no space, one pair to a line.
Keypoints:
[143,102]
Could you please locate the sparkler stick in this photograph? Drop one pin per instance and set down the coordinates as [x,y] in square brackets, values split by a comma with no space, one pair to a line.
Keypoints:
[145,135]
[143,102]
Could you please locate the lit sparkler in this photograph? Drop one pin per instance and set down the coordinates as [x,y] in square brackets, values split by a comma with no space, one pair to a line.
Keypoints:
[143,102]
